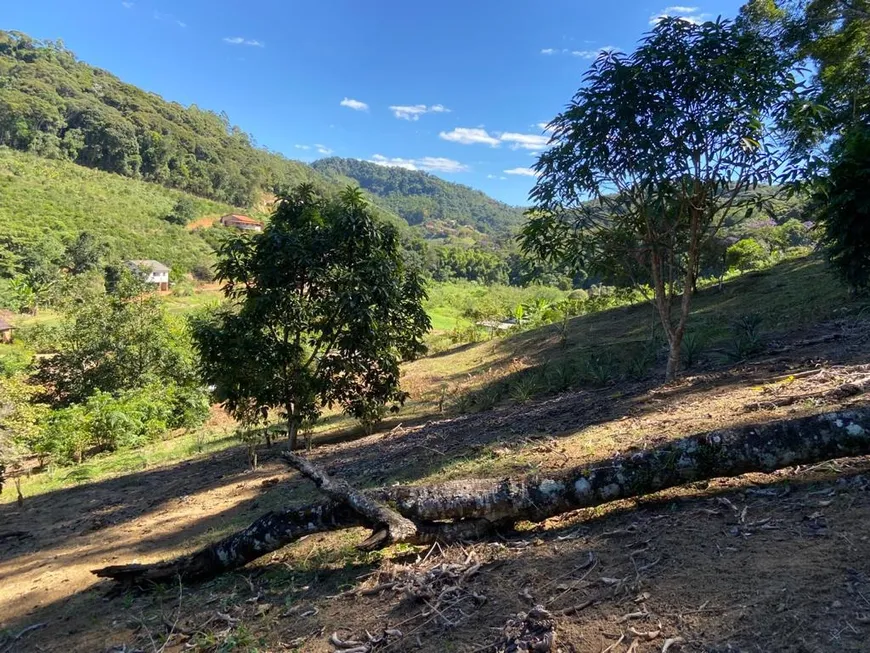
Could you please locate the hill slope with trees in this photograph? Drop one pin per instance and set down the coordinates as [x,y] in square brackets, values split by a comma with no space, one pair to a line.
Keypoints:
[56,106]
[46,203]
[419,197]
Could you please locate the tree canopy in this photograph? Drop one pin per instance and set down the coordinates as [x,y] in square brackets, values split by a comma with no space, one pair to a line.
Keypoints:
[321,308]
[666,141]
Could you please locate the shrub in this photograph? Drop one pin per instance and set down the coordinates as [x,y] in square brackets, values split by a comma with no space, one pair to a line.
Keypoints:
[524,388]
[183,212]
[598,369]
[745,337]
[746,254]
[691,347]
[202,272]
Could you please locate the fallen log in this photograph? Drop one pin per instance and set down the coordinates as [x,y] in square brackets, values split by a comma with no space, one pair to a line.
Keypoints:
[388,525]
[476,507]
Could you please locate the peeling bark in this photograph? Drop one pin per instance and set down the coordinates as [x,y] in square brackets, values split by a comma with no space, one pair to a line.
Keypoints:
[475,508]
[388,525]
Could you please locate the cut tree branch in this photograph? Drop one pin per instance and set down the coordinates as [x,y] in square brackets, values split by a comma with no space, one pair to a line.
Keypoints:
[460,510]
[388,525]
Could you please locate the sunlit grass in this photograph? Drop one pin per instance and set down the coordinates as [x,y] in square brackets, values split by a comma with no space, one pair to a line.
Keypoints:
[791,296]
[189,446]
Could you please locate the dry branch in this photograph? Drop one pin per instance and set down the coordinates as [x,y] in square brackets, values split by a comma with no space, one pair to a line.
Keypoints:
[843,391]
[389,526]
[459,510]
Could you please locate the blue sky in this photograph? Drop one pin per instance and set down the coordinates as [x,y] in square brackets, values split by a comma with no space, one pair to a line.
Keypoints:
[459,89]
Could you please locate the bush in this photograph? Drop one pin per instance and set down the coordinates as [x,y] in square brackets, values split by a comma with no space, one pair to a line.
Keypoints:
[746,254]
[182,213]
[202,272]
[130,419]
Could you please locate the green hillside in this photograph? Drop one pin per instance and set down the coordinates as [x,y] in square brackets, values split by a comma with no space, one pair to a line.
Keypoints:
[42,200]
[53,105]
[421,198]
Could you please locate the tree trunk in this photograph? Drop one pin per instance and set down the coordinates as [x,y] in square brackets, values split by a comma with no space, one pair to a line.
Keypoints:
[389,525]
[674,351]
[292,426]
[477,507]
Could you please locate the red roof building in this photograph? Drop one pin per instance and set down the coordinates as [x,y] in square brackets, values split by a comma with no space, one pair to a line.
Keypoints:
[242,222]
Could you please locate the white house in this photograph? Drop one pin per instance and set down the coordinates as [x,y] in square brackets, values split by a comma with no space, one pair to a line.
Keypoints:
[153,272]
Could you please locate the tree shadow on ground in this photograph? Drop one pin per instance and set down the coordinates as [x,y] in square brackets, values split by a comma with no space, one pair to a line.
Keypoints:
[754,563]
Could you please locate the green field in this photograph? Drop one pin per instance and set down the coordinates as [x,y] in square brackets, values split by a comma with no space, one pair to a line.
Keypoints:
[42,199]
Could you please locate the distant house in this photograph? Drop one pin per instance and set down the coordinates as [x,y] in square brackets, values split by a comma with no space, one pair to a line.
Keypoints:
[242,222]
[5,331]
[153,271]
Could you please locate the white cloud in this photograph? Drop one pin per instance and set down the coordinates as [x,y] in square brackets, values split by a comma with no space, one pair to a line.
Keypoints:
[549,51]
[470,136]
[525,141]
[321,149]
[169,18]
[239,40]
[426,163]
[414,111]
[525,172]
[688,14]
[593,54]
[356,105]
[127,5]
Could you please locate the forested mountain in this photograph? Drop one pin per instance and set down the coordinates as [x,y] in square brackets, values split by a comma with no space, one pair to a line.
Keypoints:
[419,197]
[53,105]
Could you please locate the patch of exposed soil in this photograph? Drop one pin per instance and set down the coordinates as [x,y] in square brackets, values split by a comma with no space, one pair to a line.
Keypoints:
[781,565]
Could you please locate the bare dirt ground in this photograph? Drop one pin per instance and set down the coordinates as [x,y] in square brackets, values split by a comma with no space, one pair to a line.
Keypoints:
[759,563]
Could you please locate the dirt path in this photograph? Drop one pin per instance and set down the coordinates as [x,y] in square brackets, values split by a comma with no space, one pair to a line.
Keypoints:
[762,568]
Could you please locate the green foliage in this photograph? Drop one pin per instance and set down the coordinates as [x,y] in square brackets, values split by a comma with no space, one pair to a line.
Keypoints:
[321,309]
[123,217]
[692,347]
[599,369]
[833,36]
[745,336]
[115,342]
[21,419]
[84,253]
[686,136]
[183,212]
[746,254]
[842,204]
[58,107]
[127,419]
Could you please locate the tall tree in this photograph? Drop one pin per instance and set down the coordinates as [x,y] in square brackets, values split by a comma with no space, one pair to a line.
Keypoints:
[321,309]
[114,342]
[842,203]
[666,141]
[84,253]
[830,124]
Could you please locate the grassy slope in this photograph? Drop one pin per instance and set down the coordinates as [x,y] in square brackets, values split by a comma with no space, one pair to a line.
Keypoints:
[42,198]
[793,296]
